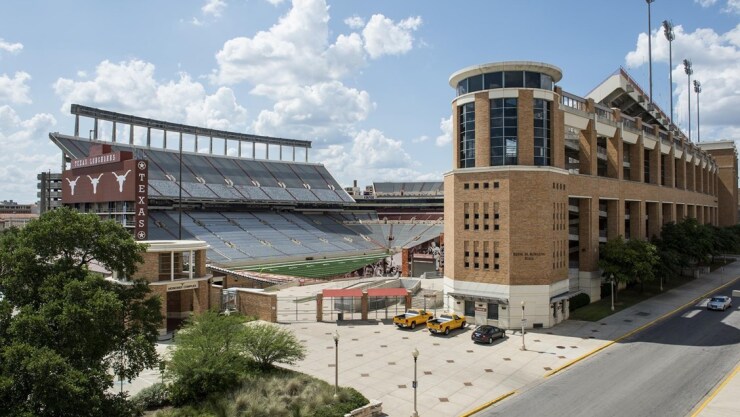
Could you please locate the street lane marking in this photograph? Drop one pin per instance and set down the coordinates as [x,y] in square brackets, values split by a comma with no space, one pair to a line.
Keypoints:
[717,390]
[690,314]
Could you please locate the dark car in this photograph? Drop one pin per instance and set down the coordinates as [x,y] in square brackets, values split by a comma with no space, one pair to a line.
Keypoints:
[487,334]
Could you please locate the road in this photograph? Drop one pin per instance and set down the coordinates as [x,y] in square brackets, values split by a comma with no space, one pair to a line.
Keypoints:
[664,370]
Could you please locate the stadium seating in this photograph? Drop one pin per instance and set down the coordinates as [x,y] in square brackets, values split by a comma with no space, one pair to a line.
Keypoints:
[216,177]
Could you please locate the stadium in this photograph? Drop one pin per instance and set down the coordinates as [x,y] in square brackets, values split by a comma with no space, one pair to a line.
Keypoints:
[260,223]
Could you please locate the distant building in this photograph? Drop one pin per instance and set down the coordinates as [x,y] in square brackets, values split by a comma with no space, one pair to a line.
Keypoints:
[11,207]
[50,191]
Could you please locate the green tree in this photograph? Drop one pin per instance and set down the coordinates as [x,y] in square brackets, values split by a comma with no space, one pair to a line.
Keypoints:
[62,327]
[208,357]
[628,261]
[268,344]
[693,242]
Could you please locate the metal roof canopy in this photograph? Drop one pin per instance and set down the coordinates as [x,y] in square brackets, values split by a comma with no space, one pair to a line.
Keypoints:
[98,114]
[481,298]
[387,292]
[341,292]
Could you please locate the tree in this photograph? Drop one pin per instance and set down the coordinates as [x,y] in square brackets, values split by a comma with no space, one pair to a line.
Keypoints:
[63,327]
[628,261]
[269,344]
[693,242]
[208,357]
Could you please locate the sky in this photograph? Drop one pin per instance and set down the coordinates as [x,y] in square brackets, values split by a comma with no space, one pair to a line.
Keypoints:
[365,81]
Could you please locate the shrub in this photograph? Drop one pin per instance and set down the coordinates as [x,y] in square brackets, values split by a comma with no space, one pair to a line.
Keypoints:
[579,301]
[268,344]
[152,397]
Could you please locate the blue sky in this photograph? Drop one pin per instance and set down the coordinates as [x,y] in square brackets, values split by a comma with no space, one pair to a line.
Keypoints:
[366,81]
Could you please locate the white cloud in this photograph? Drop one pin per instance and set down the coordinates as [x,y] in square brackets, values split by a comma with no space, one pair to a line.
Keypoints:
[372,155]
[445,125]
[213,8]
[733,6]
[275,2]
[325,111]
[131,87]
[15,90]
[26,152]
[13,48]
[706,3]
[355,22]
[384,37]
[296,65]
[196,22]
[716,59]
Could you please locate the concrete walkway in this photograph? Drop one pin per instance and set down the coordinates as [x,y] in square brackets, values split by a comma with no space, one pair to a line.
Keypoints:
[725,400]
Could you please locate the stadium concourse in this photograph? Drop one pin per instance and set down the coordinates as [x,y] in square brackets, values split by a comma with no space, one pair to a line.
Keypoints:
[274,220]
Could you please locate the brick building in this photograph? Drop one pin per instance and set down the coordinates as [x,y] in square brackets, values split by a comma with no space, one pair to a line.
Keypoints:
[541,177]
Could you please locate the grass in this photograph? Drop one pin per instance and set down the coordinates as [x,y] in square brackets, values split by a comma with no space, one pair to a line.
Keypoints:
[626,298]
[279,393]
[319,268]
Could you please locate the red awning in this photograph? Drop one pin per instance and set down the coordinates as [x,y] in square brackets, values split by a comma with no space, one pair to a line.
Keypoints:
[387,292]
[341,292]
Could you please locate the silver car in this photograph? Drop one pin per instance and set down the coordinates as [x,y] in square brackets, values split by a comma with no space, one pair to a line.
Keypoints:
[719,302]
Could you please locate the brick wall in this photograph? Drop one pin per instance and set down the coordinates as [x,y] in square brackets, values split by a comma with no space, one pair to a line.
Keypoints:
[260,305]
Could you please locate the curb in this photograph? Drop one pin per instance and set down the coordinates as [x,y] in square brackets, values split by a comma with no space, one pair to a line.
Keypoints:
[488,404]
[716,390]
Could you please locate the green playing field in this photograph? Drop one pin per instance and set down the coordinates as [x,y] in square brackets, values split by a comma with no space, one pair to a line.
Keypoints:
[318,268]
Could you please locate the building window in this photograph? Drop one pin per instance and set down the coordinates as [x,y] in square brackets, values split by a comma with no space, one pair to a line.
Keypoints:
[485,185]
[492,311]
[495,184]
[470,308]
[466,186]
[495,227]
[495,267]
[467,135]
[542,133]
[467,264]
[475,186]
[504,125]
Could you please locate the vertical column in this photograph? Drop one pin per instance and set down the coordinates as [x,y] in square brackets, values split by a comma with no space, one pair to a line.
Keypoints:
[669,212]
[681,171]
[670,169]
[306,154]
[587,152]
[239,152]
[131,135]
[557,130]
[655,171]
[148,137]
[280,152]
[690,174]
[482,130]
[525,127]
[196,143]
[637,161]
[614,218]
[77,125]
[614,156]
[254,150]
[267,151]
[95,129]
[113,134]
[655,222]
[455,135]
[588,234]
[293,153]
[210,145]
[164,139]
[637,219]
[226,143]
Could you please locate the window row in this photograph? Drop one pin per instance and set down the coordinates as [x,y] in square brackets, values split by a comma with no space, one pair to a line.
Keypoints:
[504,79]
[476,186]
[481,255]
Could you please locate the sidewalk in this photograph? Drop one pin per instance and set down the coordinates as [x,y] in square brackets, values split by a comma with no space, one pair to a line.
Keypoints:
[726,400]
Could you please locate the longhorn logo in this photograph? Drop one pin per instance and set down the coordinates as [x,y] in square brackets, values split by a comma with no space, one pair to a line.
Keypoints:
[121,179]
[94,182]
[72,184]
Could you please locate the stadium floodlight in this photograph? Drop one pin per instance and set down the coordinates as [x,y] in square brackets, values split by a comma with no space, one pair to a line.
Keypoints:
[697,90]
[687,67]
[650,52]
[670,36]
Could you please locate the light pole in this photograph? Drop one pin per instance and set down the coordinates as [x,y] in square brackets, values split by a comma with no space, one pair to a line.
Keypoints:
[612,291]
[415,354]
[687,68]
[650,52]
[524,347]
[697,89]
[336,363]
[668,31]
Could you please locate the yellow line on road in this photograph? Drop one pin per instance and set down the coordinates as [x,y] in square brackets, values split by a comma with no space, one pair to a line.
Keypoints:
[632,332]
[716,391]
[488,404]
